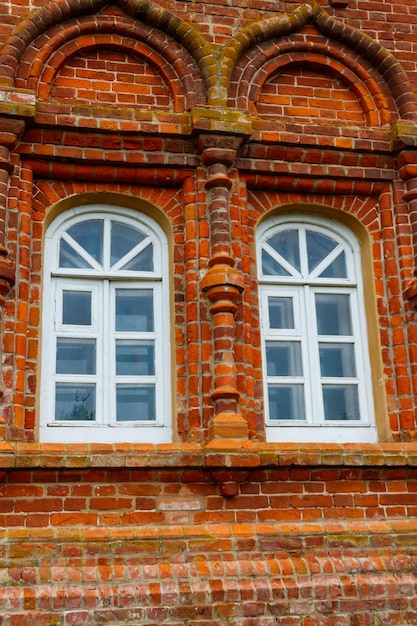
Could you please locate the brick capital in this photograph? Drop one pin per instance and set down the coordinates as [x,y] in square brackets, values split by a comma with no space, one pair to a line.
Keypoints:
[403,135]
[219,120]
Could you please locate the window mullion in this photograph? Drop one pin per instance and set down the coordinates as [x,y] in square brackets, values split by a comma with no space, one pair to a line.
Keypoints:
[359,342]
[160,356]
[303,252]
[106,363]
[107,244]
[311,338]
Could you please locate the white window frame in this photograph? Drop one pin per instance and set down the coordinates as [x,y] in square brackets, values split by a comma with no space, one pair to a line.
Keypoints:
[314,428]
[103,282]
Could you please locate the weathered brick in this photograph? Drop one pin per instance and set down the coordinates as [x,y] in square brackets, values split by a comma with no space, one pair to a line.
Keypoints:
[297,110]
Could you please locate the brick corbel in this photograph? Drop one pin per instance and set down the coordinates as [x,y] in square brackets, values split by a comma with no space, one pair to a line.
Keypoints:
[403,135]
[229,480]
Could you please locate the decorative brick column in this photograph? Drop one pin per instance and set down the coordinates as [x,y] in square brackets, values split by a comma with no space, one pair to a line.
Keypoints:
[404,141]
[223,285]
[16,106]
[7,267]
[410,197]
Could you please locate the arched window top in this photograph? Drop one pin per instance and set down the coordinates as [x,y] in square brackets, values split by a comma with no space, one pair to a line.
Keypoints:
[102,240]
[299,249]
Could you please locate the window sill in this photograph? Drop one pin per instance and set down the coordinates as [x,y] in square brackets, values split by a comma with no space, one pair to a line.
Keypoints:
[334,433]
[135,433]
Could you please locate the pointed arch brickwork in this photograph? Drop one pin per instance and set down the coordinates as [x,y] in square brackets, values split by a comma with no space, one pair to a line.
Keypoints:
[265,64]
[61,11]
[45,59]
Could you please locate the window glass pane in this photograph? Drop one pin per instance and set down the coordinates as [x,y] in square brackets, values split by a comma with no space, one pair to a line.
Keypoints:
[135,403]
[135,358]
[89,235]
[281,314]
[318,247]
[337,359]
[270,267]
[341,402]
[333,314]
[287,245]
[143,262]
[75,402]
[336,269]
[76,356]
[283,358]
[134,310]
[123,239]
[68,257]
[76,308]
[286,402]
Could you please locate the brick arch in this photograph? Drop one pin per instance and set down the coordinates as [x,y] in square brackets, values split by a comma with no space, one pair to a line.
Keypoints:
[381,59]
[71,193]
[178,75]
[360,47]
[361,214]
[270,61]
[364,210]
[54,73]
[177,37]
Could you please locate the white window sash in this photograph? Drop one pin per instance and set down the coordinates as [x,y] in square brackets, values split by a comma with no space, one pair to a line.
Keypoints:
[102,282]
[303,291]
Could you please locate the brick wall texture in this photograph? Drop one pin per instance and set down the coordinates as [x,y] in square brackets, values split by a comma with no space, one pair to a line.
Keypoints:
[210,117]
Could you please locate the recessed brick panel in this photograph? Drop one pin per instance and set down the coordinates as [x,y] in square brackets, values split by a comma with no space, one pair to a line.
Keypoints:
[307,94]
[111,77]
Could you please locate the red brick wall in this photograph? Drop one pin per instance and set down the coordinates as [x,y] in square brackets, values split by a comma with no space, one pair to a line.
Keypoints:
[307,95]
[111,77]
[213,116]
[319,545]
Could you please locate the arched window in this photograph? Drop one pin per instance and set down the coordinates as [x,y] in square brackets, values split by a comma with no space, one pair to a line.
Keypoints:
[106,334]
[315,352]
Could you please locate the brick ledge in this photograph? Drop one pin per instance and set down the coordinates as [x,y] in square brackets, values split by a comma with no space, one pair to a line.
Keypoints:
[349,531]
[217,454]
